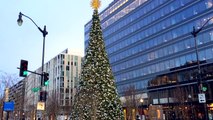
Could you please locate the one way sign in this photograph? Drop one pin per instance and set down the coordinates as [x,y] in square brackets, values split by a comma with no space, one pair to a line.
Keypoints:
[202,98]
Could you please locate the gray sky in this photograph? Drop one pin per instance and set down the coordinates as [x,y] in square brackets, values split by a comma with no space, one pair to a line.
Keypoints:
[64,19]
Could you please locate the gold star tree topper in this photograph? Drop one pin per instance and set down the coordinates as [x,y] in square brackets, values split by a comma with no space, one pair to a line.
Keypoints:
[95,4]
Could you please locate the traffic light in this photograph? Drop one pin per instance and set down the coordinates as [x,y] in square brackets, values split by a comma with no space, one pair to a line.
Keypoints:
[23,68]
[204,87]
[43,96]
[46,79]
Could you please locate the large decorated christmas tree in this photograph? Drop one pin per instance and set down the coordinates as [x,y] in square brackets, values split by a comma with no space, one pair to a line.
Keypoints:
[97,98]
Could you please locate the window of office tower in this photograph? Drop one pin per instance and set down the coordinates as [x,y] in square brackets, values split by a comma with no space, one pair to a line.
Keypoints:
[122,12]
[111,9]
[209,3]
[108,11]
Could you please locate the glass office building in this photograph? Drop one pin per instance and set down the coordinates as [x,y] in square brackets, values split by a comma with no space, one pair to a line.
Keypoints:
[150,47]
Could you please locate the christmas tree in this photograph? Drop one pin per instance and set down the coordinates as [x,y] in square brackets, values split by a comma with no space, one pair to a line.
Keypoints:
[97,98]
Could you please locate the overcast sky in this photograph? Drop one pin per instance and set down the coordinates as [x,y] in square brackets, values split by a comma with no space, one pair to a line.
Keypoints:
[64,19]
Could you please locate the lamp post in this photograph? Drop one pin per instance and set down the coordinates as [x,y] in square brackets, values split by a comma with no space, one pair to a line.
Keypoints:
[141,113]
[44,33]
[200,82]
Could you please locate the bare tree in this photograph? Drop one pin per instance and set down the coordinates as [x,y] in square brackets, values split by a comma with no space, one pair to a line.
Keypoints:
[1,105]
[52,105]
[29,103]
[67,108]
[6,80]
[181,110]
[30,112]
[131,102]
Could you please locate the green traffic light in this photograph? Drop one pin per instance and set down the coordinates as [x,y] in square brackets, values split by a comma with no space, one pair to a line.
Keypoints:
[25,73]
[204,88]
[46,83]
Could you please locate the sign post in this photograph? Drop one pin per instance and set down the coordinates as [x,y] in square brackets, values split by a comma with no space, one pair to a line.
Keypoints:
[36,89]
[202,98]
[41,106]
[8,106]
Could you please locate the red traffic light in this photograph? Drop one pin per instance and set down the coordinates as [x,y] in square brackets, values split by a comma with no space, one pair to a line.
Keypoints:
[23,68]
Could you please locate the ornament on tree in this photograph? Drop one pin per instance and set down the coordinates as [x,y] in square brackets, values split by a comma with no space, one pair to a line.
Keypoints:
[95,4]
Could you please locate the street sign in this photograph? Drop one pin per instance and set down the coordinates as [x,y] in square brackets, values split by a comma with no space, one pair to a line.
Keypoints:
[39,114]
[40,106]
[202,98]
[35,89]
[8,106]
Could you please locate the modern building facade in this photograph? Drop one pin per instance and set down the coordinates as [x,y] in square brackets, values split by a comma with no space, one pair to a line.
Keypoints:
[64,73]
[16,94]
[150,47]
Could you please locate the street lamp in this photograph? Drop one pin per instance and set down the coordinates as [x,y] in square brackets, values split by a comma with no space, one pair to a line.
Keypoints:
[200,82]
[44,33]
[141,113]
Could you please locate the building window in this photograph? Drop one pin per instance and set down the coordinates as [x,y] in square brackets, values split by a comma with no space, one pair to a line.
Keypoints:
[67,102]
[62,73]
[61,90]
[62,56]
[67,90]
[62,96]
[62,85]
[62,102]
[209,4]
[67,68]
